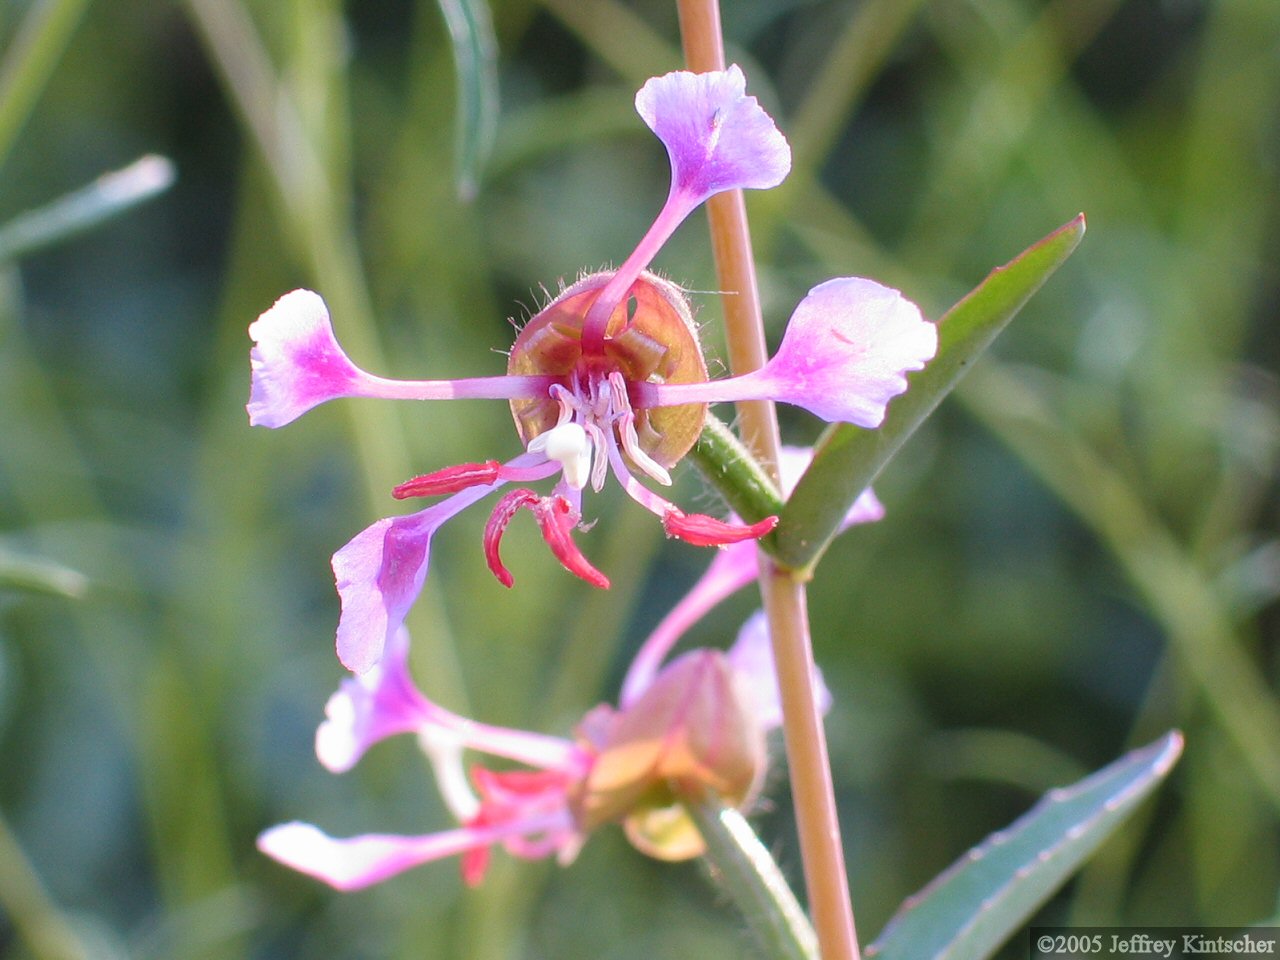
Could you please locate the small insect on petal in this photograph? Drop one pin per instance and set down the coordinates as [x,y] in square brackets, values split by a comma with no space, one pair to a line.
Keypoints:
[449,480]
[704,531]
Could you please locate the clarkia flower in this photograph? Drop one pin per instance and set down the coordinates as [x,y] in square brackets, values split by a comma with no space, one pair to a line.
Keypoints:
[696,725]
[608,377]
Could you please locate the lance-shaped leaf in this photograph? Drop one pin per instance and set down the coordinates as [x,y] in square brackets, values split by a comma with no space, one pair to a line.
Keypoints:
[848,458]
[475,58]
[971,908]
[27,572]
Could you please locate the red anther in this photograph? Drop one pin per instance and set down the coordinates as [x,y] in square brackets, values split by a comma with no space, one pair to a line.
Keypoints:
[557,518]
[704,531]
[505,509]
[449,480]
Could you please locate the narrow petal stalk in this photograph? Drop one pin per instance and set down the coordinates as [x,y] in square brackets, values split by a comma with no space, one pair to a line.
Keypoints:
[844,356]
[354,863]
[717,139]
[297,364]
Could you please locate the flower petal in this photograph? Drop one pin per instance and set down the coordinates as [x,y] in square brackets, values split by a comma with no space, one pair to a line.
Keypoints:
[752,657]
[717,137]
[353,863]
[379,574]
[847,350]
[378,704]
[296,361]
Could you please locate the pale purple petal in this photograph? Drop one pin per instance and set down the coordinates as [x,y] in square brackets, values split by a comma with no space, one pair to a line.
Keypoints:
[353,863]
[847,350]
[379,575]
[844,356]
[297,364]
[378,704]
[717,137]
[752,656]
[296,361]
[380,572]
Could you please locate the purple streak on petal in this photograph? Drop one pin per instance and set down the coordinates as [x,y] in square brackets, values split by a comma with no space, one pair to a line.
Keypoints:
[844,356]
[353,863]
[380,572]
[752,656]
[298,364]
[717,137]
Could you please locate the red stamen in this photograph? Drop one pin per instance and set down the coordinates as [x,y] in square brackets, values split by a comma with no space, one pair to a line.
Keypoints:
[556,518]
[475,862]
[704,531]
[506,508]
[448,480]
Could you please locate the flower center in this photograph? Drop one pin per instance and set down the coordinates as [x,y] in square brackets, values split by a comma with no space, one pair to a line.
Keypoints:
[650,338]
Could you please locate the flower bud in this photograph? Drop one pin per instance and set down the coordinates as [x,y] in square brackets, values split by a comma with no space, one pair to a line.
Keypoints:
[690,733]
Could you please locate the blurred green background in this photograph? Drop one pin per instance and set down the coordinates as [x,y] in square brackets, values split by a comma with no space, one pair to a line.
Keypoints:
[1080,550]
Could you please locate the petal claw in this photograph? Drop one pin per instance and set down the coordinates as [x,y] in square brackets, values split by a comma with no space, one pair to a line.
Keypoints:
[449,480]
[704,531]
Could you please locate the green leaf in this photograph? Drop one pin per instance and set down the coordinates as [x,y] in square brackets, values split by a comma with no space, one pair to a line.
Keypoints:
[847,458]
[971,908]
[110,195]
[475,57]
[26,572]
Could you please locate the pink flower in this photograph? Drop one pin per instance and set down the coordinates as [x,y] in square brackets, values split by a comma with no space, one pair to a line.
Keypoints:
[607,377]
[696,724]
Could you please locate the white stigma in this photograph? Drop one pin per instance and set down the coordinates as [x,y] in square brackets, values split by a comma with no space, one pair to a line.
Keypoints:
[569,445]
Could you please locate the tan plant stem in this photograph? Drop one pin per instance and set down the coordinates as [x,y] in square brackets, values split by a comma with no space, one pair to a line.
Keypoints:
[784,595]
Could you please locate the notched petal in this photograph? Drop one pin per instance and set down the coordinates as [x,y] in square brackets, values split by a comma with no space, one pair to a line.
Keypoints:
[848,349]
[296,361]
[717,137]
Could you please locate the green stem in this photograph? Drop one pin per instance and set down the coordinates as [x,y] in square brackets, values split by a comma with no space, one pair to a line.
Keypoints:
[729,466]
[783,595]
[747,874]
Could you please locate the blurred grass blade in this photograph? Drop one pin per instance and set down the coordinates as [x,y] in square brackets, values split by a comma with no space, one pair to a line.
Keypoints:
[746,872]
[847,458]
[475,56]
[109,195]
[26,572]
[29,62]
[971,908]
